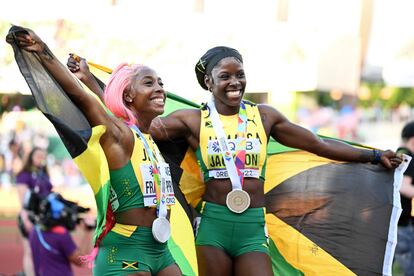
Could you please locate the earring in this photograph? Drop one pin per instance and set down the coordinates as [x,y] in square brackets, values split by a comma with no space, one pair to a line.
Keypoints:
[210,89]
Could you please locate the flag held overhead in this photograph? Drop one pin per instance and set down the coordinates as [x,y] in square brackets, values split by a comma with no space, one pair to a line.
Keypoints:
[324,217]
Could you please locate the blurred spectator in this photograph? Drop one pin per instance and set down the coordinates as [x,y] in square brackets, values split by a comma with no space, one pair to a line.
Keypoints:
[51,239]
[56,250]
[72,175]
[404,112]
[20,132]
[348,123]
[33,177]
[13,159]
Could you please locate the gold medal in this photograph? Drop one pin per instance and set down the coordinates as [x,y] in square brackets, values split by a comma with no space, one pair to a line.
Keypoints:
[238,201]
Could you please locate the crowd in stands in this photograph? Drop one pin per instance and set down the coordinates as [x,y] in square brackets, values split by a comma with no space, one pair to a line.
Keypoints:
[18,136]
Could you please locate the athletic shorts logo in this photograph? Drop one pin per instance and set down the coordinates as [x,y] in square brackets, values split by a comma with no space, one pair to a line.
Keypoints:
[133,265]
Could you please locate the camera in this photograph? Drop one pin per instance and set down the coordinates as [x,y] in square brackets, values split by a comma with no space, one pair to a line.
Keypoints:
[54,210]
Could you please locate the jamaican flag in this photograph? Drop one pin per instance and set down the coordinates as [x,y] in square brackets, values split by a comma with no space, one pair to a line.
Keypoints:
[323,217]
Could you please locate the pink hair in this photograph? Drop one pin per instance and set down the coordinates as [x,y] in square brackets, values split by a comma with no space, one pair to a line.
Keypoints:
[120,81]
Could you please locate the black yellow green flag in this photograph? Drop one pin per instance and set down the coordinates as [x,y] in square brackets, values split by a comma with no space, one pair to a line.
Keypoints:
[323,217]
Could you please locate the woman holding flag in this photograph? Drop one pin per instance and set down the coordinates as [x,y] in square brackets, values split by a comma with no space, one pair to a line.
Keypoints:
[134,243]
[231,237]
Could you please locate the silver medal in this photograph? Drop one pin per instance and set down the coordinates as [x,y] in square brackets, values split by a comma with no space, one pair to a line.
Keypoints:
[238,201]
[161,229]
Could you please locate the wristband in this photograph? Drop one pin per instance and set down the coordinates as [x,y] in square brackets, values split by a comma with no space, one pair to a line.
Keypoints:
[376,156]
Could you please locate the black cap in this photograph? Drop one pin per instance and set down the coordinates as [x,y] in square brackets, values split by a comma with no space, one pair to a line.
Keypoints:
[408,130]
[210,59]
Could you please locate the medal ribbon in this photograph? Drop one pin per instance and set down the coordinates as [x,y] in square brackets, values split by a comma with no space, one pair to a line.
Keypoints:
[235,166]
[159,180]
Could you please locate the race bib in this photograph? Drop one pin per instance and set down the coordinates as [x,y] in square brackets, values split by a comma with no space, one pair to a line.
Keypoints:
[149,186]
[222,173]
[252,146]
[217,166]
[169,189]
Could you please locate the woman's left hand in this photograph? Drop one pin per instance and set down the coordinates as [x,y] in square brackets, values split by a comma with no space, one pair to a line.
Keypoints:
[390,159]
[29,41]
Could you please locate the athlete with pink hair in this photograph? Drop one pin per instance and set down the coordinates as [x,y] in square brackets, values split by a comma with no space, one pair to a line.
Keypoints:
[136,244]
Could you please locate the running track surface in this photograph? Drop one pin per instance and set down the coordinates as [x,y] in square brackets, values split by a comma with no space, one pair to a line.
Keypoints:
[11,251]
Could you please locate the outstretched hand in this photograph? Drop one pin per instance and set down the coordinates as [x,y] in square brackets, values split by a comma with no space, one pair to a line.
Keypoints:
[78,66]
[390,159]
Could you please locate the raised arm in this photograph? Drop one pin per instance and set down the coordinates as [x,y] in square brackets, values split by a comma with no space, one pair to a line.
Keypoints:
[117,140]
[292,135]
[92,110]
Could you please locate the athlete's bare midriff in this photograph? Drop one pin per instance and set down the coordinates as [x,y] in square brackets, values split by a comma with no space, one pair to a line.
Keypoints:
[137,216]
[217,190]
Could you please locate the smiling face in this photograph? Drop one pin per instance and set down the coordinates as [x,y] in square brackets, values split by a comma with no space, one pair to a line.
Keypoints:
[227,82]
[146,96]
